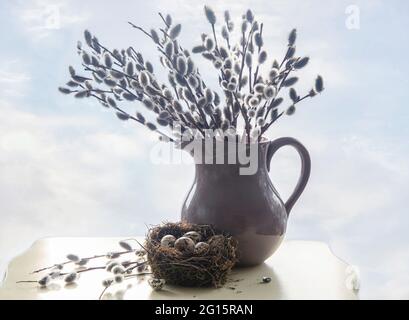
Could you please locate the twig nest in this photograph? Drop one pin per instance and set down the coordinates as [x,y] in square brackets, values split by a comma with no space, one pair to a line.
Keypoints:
[185,245]
[204,261]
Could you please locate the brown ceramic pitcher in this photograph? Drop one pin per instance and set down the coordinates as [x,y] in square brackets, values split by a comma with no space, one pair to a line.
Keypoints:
[247,206]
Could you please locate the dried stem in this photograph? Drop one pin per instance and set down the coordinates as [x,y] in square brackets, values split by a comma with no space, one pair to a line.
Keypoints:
[87,258]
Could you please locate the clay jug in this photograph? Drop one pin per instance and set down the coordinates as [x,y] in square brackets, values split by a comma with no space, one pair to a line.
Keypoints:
[245,205]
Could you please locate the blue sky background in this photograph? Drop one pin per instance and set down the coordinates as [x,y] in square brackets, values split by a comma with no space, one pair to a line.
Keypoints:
[68,167]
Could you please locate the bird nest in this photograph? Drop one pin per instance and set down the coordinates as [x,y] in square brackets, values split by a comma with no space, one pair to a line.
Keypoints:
[193,269]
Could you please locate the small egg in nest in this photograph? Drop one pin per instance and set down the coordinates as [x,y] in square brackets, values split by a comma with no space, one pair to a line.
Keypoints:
[185,245]
[195,236]
[168,241]
[201,248]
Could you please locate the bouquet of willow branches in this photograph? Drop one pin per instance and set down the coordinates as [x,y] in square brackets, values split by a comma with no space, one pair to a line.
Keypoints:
[252,97]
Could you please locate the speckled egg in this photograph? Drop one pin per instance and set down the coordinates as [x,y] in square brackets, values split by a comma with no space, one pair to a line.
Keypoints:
[168,241]
[195,236]
[185,245]
[201,248]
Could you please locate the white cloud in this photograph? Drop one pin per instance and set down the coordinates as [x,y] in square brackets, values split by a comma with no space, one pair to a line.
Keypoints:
[13,79]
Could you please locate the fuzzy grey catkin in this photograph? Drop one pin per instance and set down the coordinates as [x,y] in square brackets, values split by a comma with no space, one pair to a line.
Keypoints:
[181,65]
[244,80]
[148,104]
[216,99]
[198,49]
[290,56]
[207,108]
[116,74]
[262,57]
[225,33]
[276,102]
[258,39]
[209,44]
[227,16]
[119,278]
[228,64]
[70,278]
[125,245]
[293,95]
[101,73]
[149,66]
[86,58]
[208,56]
[244,25]
[111,102]
[269,92]
[162,122]
[223,52]
[254,102]
[88,37]
[143,79]
[249,16]
[82,262]
[73,257]
[225,125]
[175,31]
[319,84]
[259,88]
[210,15]
[249,60]
[110,82]
[155,36]
[231,86]
[168,20]
[164,114]
[169,49]
[107,282]
[190,66]
[122,116]
[209,95]
[118,270]
[94,61]
[193,82]
[151,126]
[261,122]
[301,63]
[230,26]
[290,82]
[291,110]
[292,37]
[44,281]
[108,60]
[218,64]
[130,69]
[64,90]
[140,117]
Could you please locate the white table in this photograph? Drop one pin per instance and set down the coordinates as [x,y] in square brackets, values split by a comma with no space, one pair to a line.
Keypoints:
[298,270]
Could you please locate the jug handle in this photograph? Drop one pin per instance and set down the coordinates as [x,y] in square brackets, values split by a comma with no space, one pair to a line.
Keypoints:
[305,166]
